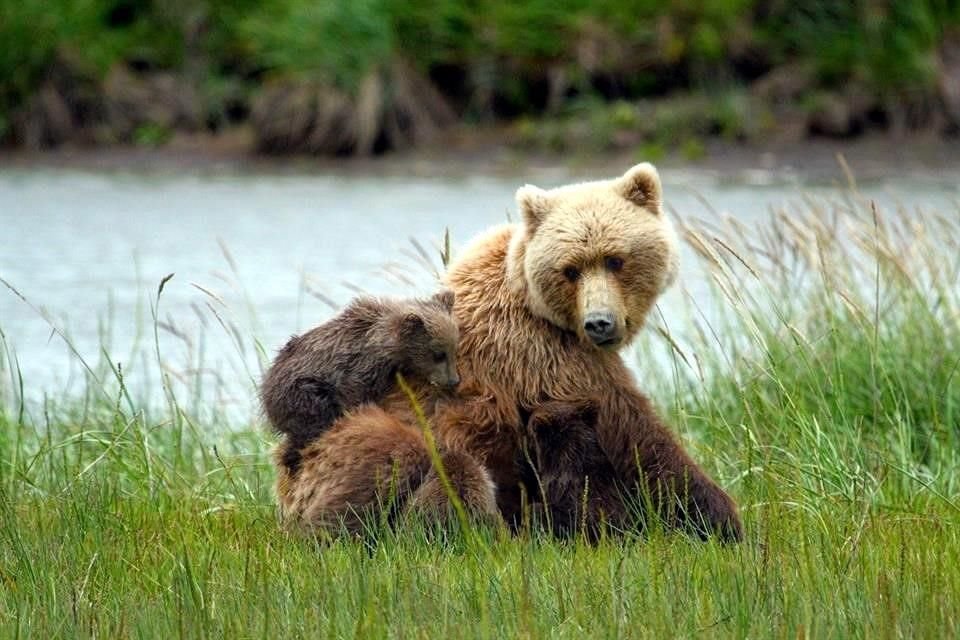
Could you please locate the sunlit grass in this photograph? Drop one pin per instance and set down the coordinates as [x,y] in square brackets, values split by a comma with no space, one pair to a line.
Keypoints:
[822,389]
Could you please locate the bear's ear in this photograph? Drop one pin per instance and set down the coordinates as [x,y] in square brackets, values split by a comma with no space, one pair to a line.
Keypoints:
[641,186]
[445,299]
[534,205]
[410,324]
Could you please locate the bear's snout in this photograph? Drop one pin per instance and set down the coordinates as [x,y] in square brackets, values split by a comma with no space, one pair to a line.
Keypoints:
[445,377]
[601,328]
[454,380]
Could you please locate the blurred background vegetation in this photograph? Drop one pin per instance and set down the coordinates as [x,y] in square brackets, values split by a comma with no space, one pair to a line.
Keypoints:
[367,76]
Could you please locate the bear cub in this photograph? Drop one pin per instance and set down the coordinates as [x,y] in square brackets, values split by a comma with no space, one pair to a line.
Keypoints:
[568,477]
[353,359]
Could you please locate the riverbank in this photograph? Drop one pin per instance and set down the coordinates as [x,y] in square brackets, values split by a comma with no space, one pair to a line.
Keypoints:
[490,152]
[376,76]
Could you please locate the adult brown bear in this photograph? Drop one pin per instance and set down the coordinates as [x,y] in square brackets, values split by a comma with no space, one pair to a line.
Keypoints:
[543,307]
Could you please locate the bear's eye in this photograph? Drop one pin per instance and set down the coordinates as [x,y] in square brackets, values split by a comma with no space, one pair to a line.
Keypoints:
[613,263]
[571,274]
[439,356]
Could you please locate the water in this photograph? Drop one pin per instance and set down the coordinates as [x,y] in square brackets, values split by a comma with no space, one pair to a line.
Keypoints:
[260,256]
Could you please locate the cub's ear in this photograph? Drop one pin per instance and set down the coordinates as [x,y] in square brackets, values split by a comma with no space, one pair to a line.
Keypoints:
[641,186]
[410,324]
[557,416]
[534,205]
[445,299]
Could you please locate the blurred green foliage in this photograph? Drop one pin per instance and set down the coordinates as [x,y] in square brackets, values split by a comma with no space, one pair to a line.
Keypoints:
[334,42]
[33,31]
[151,135]
[888,45]
[514,51]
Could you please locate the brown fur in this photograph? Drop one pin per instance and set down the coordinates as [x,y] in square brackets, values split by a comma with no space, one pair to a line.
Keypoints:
[353,359]
[469,481]
[370,463]
[523,342]
[567,474]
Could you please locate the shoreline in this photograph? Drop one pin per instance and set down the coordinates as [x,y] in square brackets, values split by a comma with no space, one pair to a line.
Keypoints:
[489,152]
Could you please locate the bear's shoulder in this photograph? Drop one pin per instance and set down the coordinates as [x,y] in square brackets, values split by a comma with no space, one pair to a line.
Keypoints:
[483,254]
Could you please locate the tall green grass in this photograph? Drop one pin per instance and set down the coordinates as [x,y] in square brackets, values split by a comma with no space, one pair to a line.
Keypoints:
[820,386]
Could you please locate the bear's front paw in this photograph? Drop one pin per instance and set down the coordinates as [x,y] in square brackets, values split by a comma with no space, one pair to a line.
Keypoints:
[714,513]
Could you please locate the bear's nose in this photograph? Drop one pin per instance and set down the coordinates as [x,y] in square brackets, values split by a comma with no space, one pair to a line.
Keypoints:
[600,326]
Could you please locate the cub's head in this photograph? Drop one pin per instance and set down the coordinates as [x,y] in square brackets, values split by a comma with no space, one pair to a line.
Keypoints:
[563,434]
[427,340]
[594,257]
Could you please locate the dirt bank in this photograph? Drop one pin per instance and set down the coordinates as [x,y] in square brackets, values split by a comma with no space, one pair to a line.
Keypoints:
[470,151]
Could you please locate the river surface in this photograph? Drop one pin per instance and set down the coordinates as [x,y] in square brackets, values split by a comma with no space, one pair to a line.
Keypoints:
[260,255]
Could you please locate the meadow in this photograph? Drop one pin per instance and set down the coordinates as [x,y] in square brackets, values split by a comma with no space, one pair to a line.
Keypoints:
[822,388]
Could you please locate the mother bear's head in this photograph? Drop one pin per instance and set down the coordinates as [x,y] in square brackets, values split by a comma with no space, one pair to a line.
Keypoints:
[593,257]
